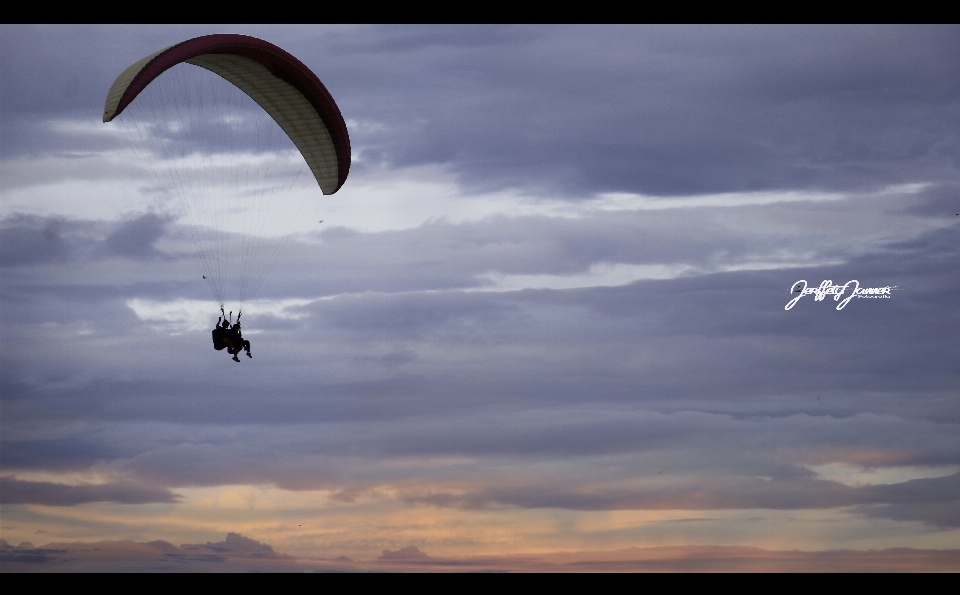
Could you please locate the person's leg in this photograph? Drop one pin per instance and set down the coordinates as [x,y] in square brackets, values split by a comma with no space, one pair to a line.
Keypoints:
[246,345]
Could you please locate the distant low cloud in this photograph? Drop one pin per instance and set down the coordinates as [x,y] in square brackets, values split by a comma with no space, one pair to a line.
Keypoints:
[235,544]
[409,553]
[162,556]
[235,554]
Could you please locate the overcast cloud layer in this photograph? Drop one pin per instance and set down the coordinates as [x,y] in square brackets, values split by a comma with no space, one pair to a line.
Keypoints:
[546,311]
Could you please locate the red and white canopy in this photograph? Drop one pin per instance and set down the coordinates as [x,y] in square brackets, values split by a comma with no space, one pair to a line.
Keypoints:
[282,85]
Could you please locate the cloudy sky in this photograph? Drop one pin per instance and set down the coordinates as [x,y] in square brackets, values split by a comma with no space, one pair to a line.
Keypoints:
[545,313]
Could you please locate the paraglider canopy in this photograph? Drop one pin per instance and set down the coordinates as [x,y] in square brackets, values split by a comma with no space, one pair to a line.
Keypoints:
[282,85]
[238,135]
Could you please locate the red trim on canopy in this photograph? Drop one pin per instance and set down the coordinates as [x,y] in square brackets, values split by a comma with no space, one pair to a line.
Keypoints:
[279,62]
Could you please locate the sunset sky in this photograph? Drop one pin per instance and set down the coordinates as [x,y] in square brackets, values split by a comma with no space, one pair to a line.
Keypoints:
[546,312]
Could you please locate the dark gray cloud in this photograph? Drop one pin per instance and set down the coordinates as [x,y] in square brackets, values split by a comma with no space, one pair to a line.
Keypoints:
[16,491]
[932,501]
[136,238]
[234,554]
[30,240]
[27,240]
[618,344]
[27,554]
[682,109]
[661,110]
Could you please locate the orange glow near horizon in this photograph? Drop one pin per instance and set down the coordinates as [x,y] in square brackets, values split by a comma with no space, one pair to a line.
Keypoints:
[313,525]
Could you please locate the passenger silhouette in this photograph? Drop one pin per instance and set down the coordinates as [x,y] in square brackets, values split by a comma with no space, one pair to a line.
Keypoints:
[221,339]
[230,337]
[237,342]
